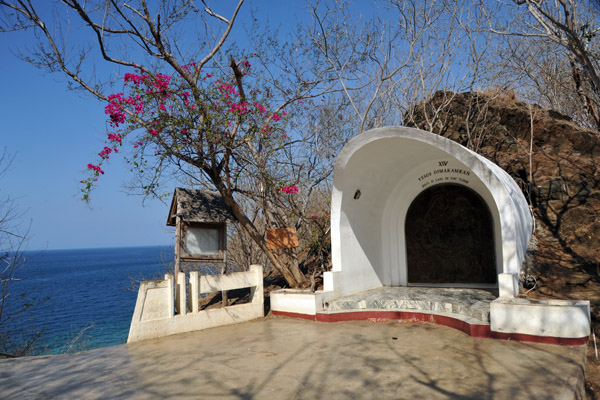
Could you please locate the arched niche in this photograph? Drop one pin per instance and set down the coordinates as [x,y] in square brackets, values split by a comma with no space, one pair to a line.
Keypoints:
[377,176]
[449,233]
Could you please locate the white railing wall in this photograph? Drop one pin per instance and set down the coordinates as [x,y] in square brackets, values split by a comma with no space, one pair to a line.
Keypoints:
[155,309]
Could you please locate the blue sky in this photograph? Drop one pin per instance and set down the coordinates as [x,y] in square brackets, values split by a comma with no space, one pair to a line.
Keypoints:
[53,133]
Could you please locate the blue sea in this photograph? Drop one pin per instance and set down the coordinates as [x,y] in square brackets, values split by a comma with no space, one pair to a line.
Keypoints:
[79,298]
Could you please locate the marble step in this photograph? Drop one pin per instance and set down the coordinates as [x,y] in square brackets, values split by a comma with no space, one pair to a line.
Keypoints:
[472,303]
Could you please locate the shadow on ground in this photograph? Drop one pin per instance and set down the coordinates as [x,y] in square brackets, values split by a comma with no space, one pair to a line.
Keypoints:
[280,358]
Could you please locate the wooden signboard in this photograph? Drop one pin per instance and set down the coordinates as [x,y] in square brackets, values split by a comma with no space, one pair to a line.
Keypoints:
[201,241]
[282,238]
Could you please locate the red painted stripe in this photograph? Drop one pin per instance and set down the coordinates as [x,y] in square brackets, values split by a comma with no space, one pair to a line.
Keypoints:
[474,330]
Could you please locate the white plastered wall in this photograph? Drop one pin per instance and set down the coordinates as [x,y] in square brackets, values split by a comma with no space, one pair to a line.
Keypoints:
[390,167]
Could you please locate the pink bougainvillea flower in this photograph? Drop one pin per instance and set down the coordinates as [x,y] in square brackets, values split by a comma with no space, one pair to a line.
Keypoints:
[96,168]
[154,105]
[114,137]
[289,189]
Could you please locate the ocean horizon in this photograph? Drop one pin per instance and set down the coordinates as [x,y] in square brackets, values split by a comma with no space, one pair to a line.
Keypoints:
[28,251]
[82,299]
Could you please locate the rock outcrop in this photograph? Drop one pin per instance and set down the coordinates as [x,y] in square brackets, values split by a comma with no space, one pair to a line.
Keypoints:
[557,165]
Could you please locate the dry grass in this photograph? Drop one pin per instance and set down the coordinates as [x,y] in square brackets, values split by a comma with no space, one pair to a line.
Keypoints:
[501,93]
[592,373]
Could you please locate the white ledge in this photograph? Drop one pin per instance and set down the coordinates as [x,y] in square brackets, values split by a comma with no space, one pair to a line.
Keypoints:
[552,318]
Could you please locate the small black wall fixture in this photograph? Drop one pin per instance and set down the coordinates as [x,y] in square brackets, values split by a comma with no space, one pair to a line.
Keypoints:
[357,194]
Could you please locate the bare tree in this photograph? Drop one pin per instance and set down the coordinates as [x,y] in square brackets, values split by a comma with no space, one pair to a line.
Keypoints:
[184,124]
[334,77]
[147,40]
[16,337]
[376,67]
[554,47]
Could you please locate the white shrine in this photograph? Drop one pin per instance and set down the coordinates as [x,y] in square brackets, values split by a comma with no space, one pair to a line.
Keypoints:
[396,222]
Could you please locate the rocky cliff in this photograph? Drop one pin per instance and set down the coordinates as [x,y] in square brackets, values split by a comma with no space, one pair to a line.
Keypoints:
[556,163]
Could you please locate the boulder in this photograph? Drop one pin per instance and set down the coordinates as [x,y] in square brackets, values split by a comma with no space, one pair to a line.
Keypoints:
[557,165]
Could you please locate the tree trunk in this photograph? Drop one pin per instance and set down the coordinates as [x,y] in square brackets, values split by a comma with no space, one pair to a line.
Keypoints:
[585,99]
[292,274]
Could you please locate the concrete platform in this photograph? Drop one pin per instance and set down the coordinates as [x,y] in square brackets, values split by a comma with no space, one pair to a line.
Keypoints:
[471,303]
[282,358]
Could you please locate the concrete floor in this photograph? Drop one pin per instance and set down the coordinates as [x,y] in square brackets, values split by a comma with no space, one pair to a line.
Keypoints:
[281,358]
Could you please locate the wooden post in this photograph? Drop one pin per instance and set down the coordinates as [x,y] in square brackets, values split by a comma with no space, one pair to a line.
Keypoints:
[224,297]
[181,295]
[178,244]
[177,258]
